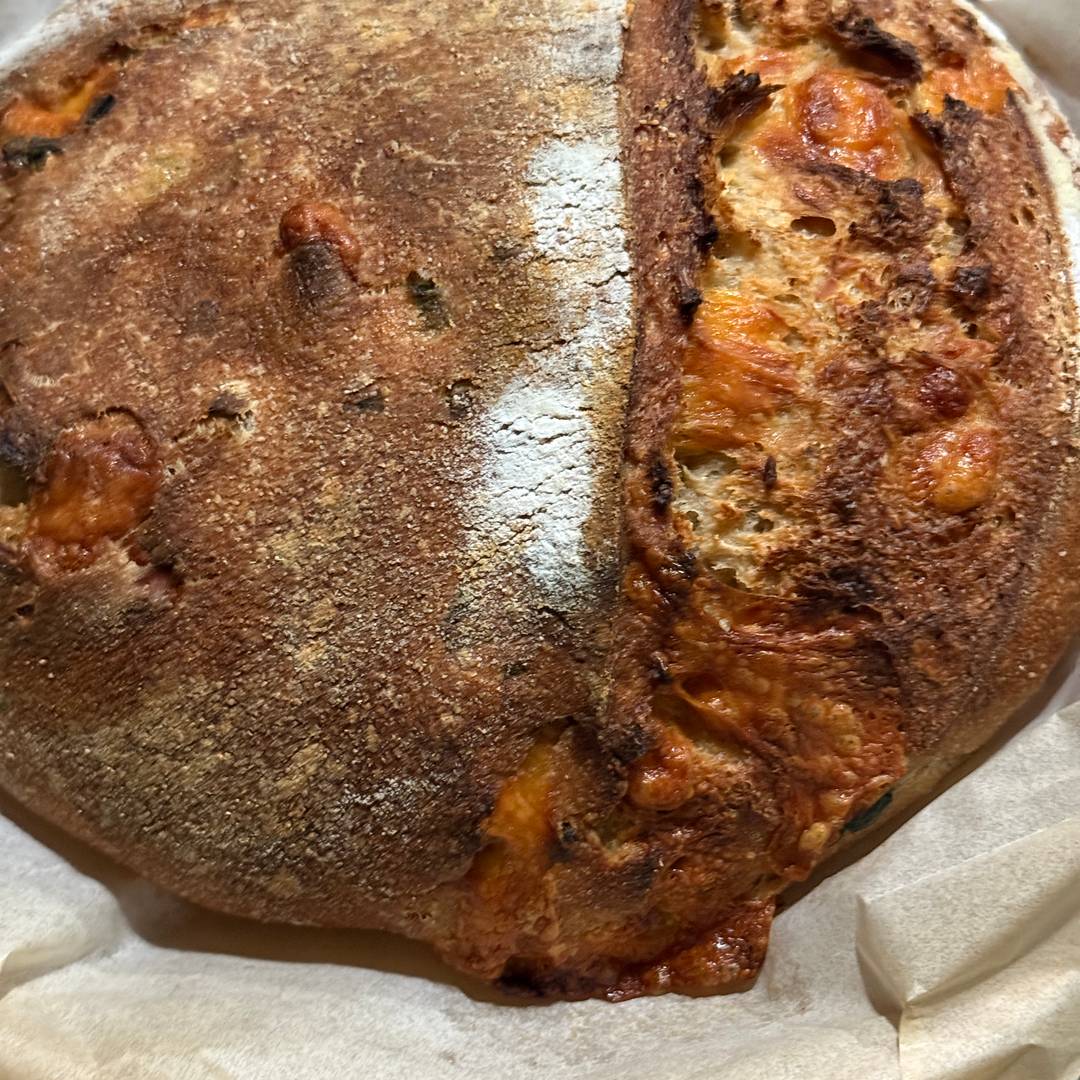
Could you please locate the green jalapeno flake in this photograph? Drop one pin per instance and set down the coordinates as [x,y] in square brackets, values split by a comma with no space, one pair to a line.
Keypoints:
[865,818]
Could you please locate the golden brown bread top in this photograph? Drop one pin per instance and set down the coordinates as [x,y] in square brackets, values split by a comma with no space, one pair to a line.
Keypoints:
[316,332]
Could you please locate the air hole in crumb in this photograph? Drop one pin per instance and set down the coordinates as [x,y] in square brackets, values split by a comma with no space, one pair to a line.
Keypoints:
[763,524]
[727,576]
[1029,215]
[972,330]
[709,466]
[736,245]
[961,226]
[814,226]
[794,340]
[729,155]
[24,613]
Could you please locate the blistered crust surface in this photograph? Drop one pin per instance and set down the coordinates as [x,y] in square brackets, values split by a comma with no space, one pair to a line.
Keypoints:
[849,495]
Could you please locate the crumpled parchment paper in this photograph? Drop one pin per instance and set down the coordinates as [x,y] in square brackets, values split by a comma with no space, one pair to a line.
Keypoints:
[951,951]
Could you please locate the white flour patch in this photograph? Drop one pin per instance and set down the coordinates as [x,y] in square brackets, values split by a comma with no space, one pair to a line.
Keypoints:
[548,459]
[540,447]
[537,492]
[577,209]
[590,48]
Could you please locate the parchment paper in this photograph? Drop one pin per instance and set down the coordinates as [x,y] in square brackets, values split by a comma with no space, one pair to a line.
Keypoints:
[951,951]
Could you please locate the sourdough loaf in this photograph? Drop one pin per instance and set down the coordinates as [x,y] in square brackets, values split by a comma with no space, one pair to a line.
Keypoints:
[531,478]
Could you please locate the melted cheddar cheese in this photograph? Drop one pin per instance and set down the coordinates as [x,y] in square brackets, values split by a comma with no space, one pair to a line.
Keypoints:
[979,81]
[845,119]
[26,118]
[957,468]
[736,371]
[101,478]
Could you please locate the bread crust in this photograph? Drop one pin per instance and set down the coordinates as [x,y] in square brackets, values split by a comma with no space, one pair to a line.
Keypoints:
[351,586]
[317,420]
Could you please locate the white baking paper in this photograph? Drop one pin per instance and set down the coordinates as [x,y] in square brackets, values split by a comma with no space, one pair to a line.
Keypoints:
[950,951]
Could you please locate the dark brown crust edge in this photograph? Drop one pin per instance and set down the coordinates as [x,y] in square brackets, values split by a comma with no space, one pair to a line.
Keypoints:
[664,106]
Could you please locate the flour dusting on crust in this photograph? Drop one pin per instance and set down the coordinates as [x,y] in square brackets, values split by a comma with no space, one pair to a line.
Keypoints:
[541,458]
[537,491]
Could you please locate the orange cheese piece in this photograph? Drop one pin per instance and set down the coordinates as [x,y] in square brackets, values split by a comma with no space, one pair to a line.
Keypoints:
[735,370]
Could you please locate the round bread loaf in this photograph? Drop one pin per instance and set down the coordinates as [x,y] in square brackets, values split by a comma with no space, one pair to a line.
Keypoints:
[533,478]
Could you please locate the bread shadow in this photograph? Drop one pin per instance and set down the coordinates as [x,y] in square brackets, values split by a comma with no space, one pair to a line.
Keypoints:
[170,922]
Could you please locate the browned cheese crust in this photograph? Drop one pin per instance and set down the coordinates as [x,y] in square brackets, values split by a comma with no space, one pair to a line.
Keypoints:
[273,281]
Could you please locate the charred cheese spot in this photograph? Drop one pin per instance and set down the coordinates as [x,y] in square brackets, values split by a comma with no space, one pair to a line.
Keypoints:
[958,469]
[100,480]
[314,222]
[944,393]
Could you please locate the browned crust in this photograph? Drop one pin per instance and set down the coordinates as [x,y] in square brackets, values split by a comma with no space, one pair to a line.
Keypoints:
[993,166]
[666,132]
[316,727]
[958,641]
[276,694]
